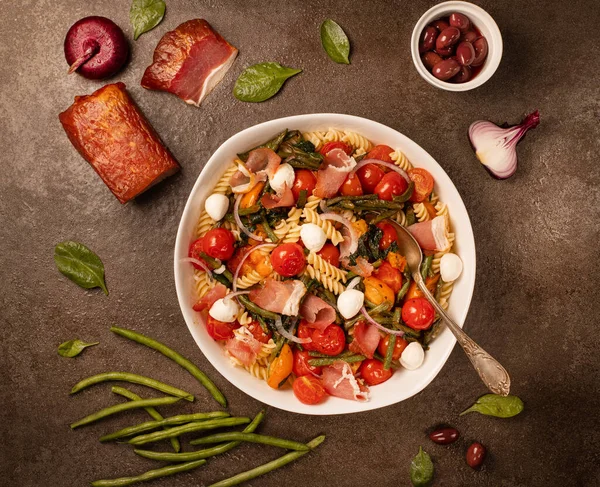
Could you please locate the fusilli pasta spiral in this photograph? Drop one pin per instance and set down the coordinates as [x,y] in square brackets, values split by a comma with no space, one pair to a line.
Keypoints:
[445,291]
[401,218]
[202,283]
[421,213]
[317,138]
[223,186]
[249,280]
[357,141]
[311,216]
[325,268]
[312,202]
[329,283]
[334,135]
[244,317]
[441,209]
[205,223]
[401,160]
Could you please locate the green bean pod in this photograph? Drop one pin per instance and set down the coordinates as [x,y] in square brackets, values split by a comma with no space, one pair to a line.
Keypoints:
[387,363]
[322,362]
[149,475]
[250,306]
[426,265]
[251,438]
[404,197]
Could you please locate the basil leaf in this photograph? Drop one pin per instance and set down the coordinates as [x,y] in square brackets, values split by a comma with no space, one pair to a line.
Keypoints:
[80,264]
[335,42]
[421,469]
[144,15]
[498,406]
[72,348]
[262,81]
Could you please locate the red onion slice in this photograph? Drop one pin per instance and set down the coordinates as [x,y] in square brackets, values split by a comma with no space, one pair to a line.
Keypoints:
[344,221]
[238,221]
[286,334]
[353,283]
[239,267]
[382,328]
[389,165]
[199,263]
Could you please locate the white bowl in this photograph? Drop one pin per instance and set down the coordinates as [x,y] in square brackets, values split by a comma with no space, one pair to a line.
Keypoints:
[404,383]
[480,19]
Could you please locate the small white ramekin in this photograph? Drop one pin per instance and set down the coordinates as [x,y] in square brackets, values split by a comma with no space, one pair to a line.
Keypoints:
[480,19]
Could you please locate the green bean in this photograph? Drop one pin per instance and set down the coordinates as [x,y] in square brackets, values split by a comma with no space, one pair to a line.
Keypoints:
[126,406]
[404,197]
[263,324]
[314,353]
[250,306]
[188,428]
[298,164]
[211,261]
[173,420]
[250,210]
[397,316]
[426,265]
[337,199]
[302,197]
[384,215]
[269,231]
[251,438]
[205,453]
[154,414]
[268,467]
[322,362]
[149,475]
[387,363]
[410,217]
[403,291]
[380,308]
[177,358]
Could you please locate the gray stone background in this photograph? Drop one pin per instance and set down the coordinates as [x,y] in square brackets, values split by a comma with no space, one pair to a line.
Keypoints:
[536,300]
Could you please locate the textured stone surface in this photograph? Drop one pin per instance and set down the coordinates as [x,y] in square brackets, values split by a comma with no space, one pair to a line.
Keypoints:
[536,301]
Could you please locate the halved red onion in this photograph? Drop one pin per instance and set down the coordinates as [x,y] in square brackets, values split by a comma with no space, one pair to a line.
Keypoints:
[389,165]
[239,267]
[199,263]
[353,283]
[286,334]
[382,328]
[330,215]
[238,221]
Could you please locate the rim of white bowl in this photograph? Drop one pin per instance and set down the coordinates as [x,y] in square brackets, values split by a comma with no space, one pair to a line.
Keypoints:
[484,23]
[401,386]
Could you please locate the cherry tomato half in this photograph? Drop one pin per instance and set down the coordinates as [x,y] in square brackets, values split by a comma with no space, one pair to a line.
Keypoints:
[309,390]
[423,184]
[392,184]
[258,333]
[330,341]
[196,248]
[351,186]
[373,373]
[391,276]
[301,366]
[305,331]
[304,179]
[369,177]
[399,346]
[380,152]
[389,234]
[219,330]
[418,313]
[331,254]
[219,243]
[329,146]
[288,259]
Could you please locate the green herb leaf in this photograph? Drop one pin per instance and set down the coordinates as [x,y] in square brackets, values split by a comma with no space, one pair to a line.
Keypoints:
[335,42]
[421,469]
[80,264]
[262,81]
[498,406]
[144,15]
[72,348]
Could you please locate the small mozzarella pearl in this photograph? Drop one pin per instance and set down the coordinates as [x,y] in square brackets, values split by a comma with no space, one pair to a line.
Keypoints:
[225,310]
[284,176]
[350,302]
[216,206]
[313,237]
[450,267]
[412,357]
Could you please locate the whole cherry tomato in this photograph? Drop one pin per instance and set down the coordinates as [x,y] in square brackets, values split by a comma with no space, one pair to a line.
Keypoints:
[351,186]
[288,259]
[369,176]
[258,333]
[196,248]
[301,365]
[399,346]
[331,254]
[304,179]
[373,373]
[423,184]
[330,341]
[219,330]
[281,367]
[219,243]
[309,390]
[390,275]
[329,146]
[389,234]
[392,184]
[380,152]
[418,313]
[305,331]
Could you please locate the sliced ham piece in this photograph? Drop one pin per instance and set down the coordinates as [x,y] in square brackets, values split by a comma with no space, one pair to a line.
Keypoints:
[317,313]
[366,339]
[243,347]
[270,200]
[363,267]
[216,293]
[189,61]
[333,172]
[432,234]
[263,162]
[282,297]
[338,380]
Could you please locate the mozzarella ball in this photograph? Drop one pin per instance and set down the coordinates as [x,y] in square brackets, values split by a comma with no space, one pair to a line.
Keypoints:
[313,237]
[284,176]
[350,302]
[412,357]
[225,310]
[216,206]
[450,267]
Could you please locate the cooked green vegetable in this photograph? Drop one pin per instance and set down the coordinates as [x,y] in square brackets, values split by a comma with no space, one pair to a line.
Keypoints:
[149,475]
[387,363]
[426,266]
[335,42]
[251,438]
[272,144]
[404,197]
[133,378]
[421,469]
[177,358]
[322,362]
[144,15]
[126,406]
[262,81]
[80,264]
[250,306]
[268,467]
[72,348]
[498,406]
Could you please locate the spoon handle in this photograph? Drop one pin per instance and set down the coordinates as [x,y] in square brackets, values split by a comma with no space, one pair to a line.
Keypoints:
[494,376]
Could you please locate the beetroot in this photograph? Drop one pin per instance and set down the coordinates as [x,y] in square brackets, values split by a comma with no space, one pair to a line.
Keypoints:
[96,47]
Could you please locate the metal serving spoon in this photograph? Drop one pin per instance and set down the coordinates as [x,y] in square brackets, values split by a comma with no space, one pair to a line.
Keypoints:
[494,376]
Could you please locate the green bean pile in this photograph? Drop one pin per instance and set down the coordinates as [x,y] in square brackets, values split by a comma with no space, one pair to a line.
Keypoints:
[172,427]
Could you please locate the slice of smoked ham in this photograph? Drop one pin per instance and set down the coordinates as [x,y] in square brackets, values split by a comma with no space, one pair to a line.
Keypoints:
[244,347]
[362,268]
[281,297]
[333,172]
[317,313]
[338,380]
[432,234]
[206,301]
[270,200]
[189,61]
[366,339]
[261,164]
